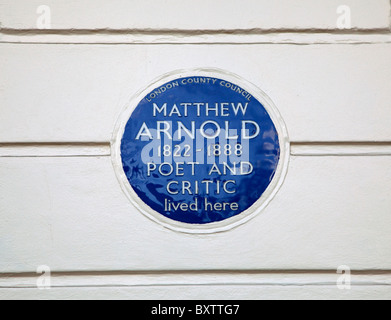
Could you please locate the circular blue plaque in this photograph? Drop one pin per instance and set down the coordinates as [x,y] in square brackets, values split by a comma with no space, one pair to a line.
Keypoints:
[201,150]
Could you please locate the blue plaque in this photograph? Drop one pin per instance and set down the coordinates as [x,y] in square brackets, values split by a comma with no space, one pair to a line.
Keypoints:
[201,150]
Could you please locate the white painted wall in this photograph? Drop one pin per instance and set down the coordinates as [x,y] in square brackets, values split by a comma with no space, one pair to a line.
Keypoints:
[199,15]
[61,91]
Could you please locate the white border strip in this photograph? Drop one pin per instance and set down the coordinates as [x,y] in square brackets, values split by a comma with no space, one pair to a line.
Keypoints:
[134,38]
[198,279]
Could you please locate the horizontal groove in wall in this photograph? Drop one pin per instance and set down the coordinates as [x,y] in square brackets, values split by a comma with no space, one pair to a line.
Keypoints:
[98,149]
[222,278]
[88,149]
[75,37]
[162,31]
[194,272]
[341,148]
